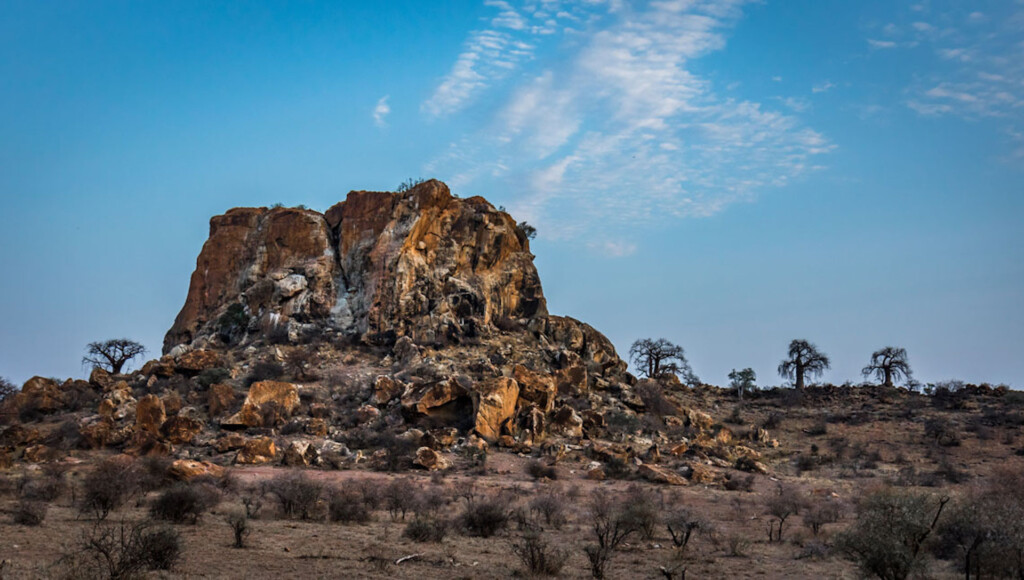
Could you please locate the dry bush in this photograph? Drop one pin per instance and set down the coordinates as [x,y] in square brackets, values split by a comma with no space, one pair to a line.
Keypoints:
[537,469]
[426,529]
[485,517]
[239,523]
[29,512]
[45,488]
[682,523]
[550,506]
[252,500]
[538,556]
[641,510]
[120,552]
[296,493]
[348,505]
[891,531]
[264,371]
[184,502]
[108,487]
[610,527]
[820,512]
[780,506]
[739,482]
[400,497]
[653,396]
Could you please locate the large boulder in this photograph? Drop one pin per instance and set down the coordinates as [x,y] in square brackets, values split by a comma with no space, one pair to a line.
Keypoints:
[419,263]
[495,407]
[181,429]
[284,397]
[257,451]
[430,460]
[42,393]
[536,388]
[301,454]
[658,474]
[185,469]
[198,360]
[219,399]
[149,414]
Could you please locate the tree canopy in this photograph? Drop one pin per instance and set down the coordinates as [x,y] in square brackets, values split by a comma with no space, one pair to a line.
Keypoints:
[888,364]
[657,358]
[112,354]
[804,359]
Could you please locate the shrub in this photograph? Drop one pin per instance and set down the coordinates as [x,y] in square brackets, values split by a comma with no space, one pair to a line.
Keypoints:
[46,488]
[817,428]
[485,518]
[821,512]
[426,529]
[538,470]
[653,397]
[400,497]
[610,528]
[641,511]
[239,522]
[890,533]
[780,506]
[538,556]
[297,494]
[212,376]
[682,523]
[348,506]
[124,551]
[941,431]
[264,371]
[551,508]
[184,503]
[30,513]
[737,482]
[108,487]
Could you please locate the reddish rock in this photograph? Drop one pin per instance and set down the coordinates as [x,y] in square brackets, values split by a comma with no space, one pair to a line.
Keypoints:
[657,474]
[317,427]
[45,394]
[430,459]
[495,407]
[229,442]
[39,454]
[180,430]
[284,397]
[536,388]
[425,398]
[162,367]
[17,435]
[186,469]
[566,422]
[219,399]
[197,361]
[257,451]
[100,379]
[149,414]
[385,389]
[301,454]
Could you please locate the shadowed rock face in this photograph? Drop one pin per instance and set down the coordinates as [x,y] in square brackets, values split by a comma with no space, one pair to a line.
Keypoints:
[377,266]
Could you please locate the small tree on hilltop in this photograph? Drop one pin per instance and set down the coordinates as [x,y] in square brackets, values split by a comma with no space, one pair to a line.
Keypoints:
[112,354]
[804,359]
[657,358]
[7,389]
[888,364]
[742,381]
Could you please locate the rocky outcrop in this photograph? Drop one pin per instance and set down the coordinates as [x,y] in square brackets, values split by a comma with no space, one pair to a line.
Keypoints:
[283,397]
[379,265]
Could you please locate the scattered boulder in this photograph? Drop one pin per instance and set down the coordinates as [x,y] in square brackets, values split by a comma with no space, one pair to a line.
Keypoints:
[149,414]
[301,454]
[229,442]
[197,361]
[283,396]
[257,451]
[536,388]
[186,469]
[430,459]
[495,407]
[181,429]
[385,389]
[658,474]
[567,423]
[219,399]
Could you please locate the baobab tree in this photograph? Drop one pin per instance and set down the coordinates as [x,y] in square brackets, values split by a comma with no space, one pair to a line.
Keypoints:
[888,364]
[112,354]
[804,359]
[657,358]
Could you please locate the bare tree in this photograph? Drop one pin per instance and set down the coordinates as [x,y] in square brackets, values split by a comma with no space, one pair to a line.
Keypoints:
[888,364]
[657,358]
[804,359]
[112,354]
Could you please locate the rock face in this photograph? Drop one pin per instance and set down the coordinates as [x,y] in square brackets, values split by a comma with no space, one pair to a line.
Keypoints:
[378,265]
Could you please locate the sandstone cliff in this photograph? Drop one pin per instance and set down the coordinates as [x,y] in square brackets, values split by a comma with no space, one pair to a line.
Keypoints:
[377,266]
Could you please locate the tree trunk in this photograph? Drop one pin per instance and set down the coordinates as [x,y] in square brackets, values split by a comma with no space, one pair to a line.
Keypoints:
[888,376]
[799,376]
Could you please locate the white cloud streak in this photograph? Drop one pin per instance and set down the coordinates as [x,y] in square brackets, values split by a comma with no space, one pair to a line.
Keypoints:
[381,111]
[618,131]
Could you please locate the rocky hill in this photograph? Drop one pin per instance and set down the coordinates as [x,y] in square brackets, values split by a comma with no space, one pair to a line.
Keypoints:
[411,316]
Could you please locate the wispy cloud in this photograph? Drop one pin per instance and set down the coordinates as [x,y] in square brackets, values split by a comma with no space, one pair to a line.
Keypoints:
[823,87]
[381,111]
[616,129]
[881,44]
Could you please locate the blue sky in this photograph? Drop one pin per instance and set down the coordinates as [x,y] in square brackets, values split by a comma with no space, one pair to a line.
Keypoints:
[729,175]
